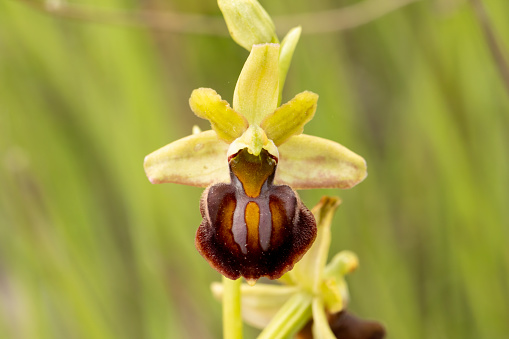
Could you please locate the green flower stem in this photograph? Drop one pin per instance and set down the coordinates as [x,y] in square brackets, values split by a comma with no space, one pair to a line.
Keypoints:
[232,318]
[294,314]
[321,328]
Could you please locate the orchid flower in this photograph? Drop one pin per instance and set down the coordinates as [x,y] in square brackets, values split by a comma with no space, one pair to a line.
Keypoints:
[312,297]
[254,224]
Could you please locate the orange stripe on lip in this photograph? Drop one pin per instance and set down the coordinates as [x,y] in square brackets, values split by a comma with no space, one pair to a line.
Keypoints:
[252,216]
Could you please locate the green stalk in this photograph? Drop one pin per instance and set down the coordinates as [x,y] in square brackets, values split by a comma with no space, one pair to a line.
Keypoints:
[294,314]
[232,319]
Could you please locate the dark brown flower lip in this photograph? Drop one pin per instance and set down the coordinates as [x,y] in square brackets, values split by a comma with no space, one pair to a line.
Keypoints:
[345,325]
[251,227]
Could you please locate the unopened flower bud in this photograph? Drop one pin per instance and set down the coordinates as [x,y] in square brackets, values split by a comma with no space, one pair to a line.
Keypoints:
[248,23]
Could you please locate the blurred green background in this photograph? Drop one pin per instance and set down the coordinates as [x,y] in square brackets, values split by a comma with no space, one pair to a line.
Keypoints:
[90,249]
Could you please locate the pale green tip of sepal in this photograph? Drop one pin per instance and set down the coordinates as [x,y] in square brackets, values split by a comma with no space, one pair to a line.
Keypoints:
[321,328]
[285,56]
[248,23]
[290,318]
[257,88]
[254,139]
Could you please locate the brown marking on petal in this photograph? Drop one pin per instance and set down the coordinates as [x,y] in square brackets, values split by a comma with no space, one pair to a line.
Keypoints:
[252,216]
[279,220]
[253,236]
[225,216]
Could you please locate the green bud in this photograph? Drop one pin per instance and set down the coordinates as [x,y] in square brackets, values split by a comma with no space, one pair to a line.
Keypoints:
[248,23]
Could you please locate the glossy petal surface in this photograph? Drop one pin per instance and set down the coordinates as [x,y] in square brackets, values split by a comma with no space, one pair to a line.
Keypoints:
[257,90]
[207,104]
[310,162]
[196,160]
[290,118]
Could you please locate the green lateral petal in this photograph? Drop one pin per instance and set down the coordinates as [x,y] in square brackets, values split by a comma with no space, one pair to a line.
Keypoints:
[248,23]
[285,56]
[260,302]
[257,89]
[197,160]
[308,271]
[289,119]
[207,104]
[311,162]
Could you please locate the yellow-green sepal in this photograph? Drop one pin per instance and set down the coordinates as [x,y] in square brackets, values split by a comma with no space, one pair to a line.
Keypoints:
[256,92]
[311,162]
[285,56]
[196,160]
[290,118]
[248,23]
[207,104]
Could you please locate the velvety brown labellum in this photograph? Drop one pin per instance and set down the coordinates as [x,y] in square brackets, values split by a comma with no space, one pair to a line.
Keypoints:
[251,227]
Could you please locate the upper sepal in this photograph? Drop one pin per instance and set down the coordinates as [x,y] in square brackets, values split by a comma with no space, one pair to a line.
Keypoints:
[257,90]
